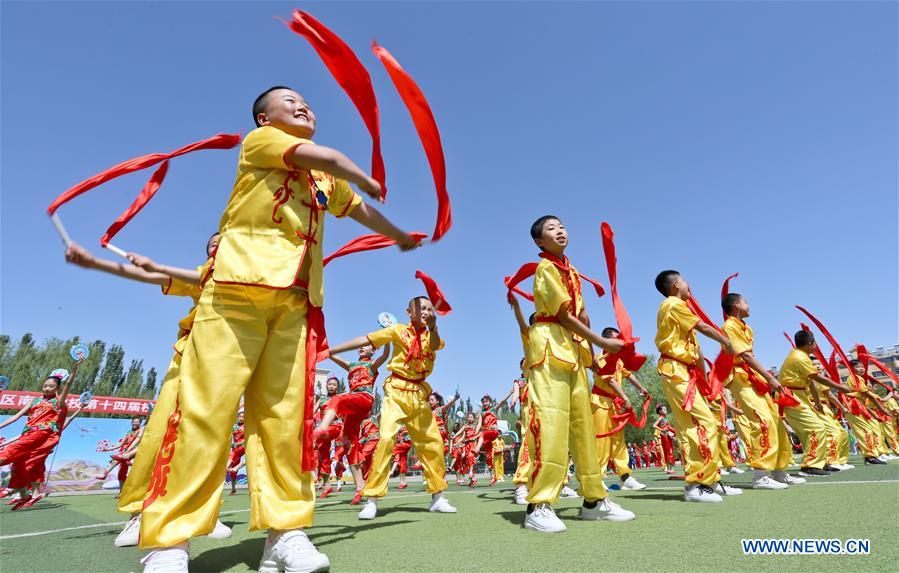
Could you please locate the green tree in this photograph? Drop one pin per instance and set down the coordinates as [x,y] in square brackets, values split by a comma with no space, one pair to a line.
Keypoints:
[6,353]
[113,372]
[24,373]
[149,390]
[88,371]
[133,382]
[648,376]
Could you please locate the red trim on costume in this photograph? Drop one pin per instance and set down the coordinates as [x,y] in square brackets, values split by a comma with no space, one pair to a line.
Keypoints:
[724,362]
[160,476]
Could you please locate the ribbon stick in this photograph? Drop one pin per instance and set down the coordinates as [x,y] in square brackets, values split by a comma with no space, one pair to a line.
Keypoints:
[369,242]
[833,344]
[426,126]
[438,299]
[351,75]
[725,289]
[57,222]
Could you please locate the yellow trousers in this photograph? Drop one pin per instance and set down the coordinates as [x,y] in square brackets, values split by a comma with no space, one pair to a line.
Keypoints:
[768,446]
[866,434]
[561,420]
[699,431]
[523,471]
[134,490]
[611,447]
[248,341]
[741,423]
[889,436]
[837,437]
[407,403]
[812,430]
[498,469]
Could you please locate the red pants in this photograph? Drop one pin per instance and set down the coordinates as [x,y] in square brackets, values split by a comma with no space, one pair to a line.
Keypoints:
[354,408]
[323,451]
[668,450]
[401,456]
[27,456]
[367,453]
[234,459]
[463,458]
[339,453]
[487,447]
[123,470]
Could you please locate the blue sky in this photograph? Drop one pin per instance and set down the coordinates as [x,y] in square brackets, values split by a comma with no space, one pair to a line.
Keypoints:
[714,137]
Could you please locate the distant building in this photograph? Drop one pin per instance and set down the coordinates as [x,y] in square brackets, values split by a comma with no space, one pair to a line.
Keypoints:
[888,355]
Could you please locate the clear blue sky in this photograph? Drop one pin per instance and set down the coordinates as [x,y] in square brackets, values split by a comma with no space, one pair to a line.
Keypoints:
[715,137]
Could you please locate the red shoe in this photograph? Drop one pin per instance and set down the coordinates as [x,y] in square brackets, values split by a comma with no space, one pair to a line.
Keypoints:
[356,498]
[339,488]
[492,481]
[458,481]
[21,499]
[328,491]
[403,486]
[118,458]
[473,482]
[18,503]
[5,492]
[28,503]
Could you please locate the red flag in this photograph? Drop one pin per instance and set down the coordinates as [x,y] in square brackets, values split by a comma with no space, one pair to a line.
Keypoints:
[426,126]
[725,289]
[220,141]
[369,242]
[833,344]
[628,355]
[435,294]
[352,77]
[143,198]
[724,362]
[790,340]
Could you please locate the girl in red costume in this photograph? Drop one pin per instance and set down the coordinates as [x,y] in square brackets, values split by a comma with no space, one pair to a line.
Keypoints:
[440,409]
[667,433]
[401,455]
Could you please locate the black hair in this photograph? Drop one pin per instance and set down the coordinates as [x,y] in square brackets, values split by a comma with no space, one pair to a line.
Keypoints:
[664,280]
[532,319]
[729,301]
[659,408]
[803,338]
[415,298]
[537,227]
[438,397]
[854,362]
[259,102]
[608,331]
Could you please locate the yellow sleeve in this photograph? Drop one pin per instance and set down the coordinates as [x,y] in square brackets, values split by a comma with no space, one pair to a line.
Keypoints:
[268,148]
[549,290]
[381,337]
[342,199]
[682,315]
[738,338]
[176,287]
[806,367]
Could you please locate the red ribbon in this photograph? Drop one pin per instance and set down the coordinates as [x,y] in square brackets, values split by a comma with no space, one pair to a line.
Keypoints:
[220,141]
[527,270]
[724,363]
[790,340]
[316,351]
[369,242]
[725,289]
[866,358]
[438,299]
[626,417]
[786,400]
[628,354]
[143,198]
[426,126]
[833,343]
[352,76]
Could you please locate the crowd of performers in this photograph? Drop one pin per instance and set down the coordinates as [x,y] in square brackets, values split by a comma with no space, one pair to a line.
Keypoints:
[257,323]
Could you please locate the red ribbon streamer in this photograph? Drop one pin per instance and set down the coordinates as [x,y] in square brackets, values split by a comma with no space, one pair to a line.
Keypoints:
[351,75]
[438,299]
[627,417]
[220,141]
[528,270]
[628,355]
[711,386]
[426,126]
[865,357]
[833,344]
[725,289]
[369,242]
[790,340]
[143,198]
[316,351]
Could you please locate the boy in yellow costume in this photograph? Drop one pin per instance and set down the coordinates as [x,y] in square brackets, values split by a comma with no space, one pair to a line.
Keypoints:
[254,329]
[769,451]
[174,282]
[866,428]
[523,468]
[498,460]
[681,365]
[406,392]
[558,358]
[726,462]
[889,425]
[799,374]
[608,399]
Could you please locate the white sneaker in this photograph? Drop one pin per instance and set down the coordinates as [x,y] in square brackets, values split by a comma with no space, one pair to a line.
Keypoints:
[723,471]
[631,483]
[567,493]
[701,493]
[727,490]
[521,495]
[440,504]
[607,510]
[544,520]
[883,458]
[369,510]
[783,477]
[166,560]
[129,536]
[844,467]
[292,552]
[736,470]
[221,531]
[766,482]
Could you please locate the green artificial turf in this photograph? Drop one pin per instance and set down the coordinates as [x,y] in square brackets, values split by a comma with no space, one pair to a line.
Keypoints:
[486,535]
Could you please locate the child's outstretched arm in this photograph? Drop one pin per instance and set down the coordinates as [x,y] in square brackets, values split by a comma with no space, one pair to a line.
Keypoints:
[340,362]
[191,276]
[370,217]
[329,160]
[72,417]
[749,358]
[619,391]
[830,383]
[507,396]
[574,324]
[380,360]
[519,316]
[713,333]
[636,384]
[68,384]
[78,255]
[353,344]
[14,417]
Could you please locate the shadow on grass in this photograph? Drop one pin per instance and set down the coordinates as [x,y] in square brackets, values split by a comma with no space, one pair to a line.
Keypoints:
[37,507]
[513,517]
[658,495]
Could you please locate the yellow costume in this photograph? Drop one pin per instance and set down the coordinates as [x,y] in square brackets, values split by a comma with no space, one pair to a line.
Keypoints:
[523,469]
[725,459]
[498,464]
[889,427]
[837,436]
[767,443]
[804,419]
[866,431]
[134,490]
[602,402]
[249,338]
[406,402]
[559,411]
[698,428]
